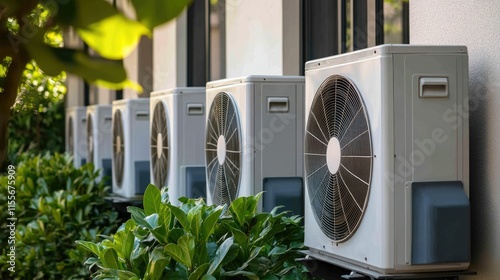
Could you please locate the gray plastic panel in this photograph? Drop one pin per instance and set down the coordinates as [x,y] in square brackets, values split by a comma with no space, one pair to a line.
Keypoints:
[440,223]
[287,191]
[196,182]
[142,176]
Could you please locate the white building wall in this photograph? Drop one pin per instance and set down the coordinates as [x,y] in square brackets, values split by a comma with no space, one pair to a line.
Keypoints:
[475,24]
[170,54]
[254,32]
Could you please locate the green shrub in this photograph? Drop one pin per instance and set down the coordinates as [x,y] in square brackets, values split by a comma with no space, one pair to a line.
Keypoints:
[195,241]
[56,204]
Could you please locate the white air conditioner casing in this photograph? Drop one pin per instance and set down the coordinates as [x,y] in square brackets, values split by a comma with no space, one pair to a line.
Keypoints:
[267,142]
[413,97]
[76,134]
[99,138]
[177,143]
[130,159]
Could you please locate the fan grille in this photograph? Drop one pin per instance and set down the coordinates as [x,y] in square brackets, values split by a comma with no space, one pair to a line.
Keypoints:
[71,141]
[90,140]
[338,158]
[223,149]
[160,145]
[118,148]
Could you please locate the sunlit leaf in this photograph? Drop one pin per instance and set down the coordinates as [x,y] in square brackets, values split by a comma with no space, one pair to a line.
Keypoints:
[99,71]
[155,12]
[103,28]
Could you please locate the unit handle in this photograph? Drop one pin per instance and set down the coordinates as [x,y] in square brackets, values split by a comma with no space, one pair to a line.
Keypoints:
[277,104]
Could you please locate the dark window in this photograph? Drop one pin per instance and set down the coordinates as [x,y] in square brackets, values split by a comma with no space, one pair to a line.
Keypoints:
[197,73]
[338,26]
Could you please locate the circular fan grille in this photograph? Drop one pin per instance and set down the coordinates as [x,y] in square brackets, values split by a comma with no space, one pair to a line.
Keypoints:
[71,141]
[338,158]
[223,149]
[159,145]
[90,139]
[118,148]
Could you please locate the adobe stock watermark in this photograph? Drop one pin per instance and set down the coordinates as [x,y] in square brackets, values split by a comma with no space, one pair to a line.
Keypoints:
[11,220]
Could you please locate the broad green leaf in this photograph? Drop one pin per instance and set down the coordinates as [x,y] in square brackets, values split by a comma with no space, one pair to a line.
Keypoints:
[240,237]
[180,216]
[158,260]
[155,12]
[220,255]
[151,200]
[183,251]
[161,233]
[208,224]
[234,251]
[199,272]
[128,244]
[152,221]
[90,246]
[194,216]
[138,216]
[109,258]
[200,254]
[138,255]
[208,277]
[104,29]
[99,71]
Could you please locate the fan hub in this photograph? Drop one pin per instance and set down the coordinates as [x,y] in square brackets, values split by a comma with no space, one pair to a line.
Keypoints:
[221,149]
[333,155]
[118,144]
[159,145]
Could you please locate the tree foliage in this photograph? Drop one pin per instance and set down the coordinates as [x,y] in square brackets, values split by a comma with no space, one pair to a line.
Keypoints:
[26,27]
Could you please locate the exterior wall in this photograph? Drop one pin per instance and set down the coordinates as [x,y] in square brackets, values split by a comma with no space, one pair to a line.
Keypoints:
[476,25]
[253,38]
[74,84]
[169,54]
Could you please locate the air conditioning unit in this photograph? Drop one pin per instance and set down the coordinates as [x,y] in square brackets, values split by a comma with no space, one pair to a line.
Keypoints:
[177,142]
[76,144]
[130,161]
[99,138]
[386,159]
[254,140]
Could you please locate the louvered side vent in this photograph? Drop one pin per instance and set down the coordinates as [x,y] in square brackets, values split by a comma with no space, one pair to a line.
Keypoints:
[160,145]
[223,149]
[338,157]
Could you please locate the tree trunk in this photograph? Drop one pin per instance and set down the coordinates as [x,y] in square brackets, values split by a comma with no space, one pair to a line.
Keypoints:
[7,99]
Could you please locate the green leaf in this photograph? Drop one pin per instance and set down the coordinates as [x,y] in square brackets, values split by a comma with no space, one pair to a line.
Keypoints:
[208,277]
[99,71]
[103,28]
[151,200]
[183,251]
[128,244]
[138,216]
[157,263]
[180,216]
[220,255]
[109,258]
[240,237]
[152,221]
[209,223]
[90,246]
[199,272]
[155,12]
